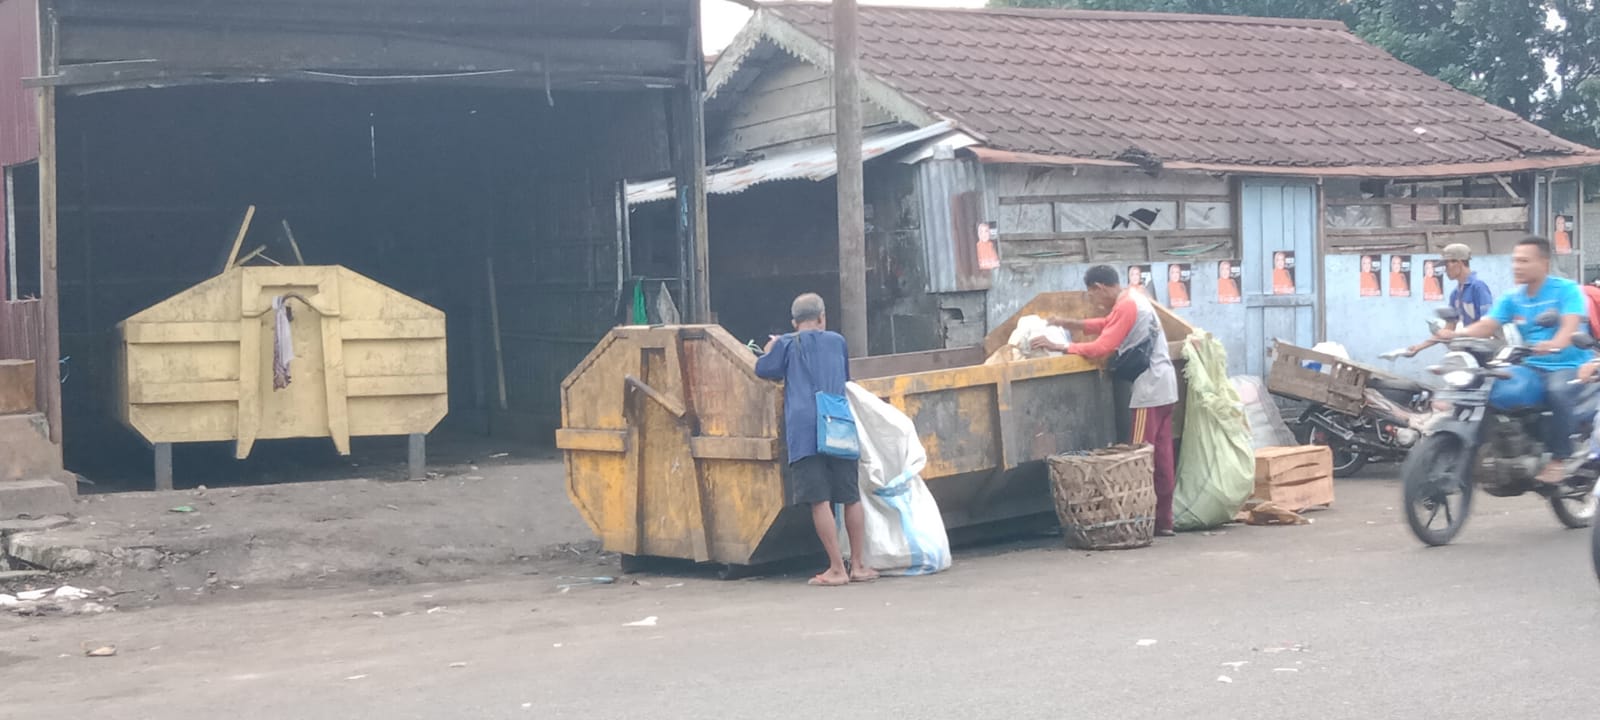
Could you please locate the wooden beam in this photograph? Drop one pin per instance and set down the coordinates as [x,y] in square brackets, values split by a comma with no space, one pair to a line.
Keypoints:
[49,288]
[353,49]
[852,310]
[687,113]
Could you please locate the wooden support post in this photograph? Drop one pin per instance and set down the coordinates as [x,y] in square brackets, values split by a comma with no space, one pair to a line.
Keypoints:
[49,288]
[689,163]
[852,310]
[163,466]
[417,456]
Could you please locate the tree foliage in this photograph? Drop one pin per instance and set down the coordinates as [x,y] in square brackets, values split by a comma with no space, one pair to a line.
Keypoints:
[1537,58]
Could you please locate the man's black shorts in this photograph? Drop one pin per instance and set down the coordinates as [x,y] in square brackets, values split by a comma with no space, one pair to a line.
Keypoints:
[820,478]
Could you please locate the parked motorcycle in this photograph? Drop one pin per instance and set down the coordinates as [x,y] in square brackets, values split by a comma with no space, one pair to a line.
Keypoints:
[1487,434]
[1389,424]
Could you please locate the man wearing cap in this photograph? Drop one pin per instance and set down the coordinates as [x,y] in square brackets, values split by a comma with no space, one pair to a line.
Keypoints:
[1471,299]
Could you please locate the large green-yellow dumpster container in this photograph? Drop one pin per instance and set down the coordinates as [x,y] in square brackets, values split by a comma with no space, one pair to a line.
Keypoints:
[673,446]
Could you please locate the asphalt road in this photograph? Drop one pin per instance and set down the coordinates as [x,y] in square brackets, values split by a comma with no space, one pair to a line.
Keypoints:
[1345,618]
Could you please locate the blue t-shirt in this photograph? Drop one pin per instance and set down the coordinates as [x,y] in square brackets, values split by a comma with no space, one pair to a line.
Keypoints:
[1558,294]
[808,363]
[1471,300]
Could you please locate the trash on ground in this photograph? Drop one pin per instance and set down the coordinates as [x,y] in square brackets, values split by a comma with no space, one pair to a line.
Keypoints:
[1297,647]
[1286,669]
[647,622]
[435,610]
[8,600]
[1236,664]
[1270,513]
[577,581]
[458,664]
[1145,643]
[182,509]
[31,595]
[501,455]
[356,677]
[102,651]
[68,592]
[1224,679]
[675,585]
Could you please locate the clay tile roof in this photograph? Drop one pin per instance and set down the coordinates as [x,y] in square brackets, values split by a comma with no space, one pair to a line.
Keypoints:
[1207,90]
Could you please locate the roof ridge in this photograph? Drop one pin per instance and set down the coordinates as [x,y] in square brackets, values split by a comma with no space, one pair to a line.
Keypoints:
[1066,14]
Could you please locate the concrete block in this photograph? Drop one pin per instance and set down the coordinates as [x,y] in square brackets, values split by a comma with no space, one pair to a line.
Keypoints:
[34,498]
[41,551]
[25,448]
[17,393]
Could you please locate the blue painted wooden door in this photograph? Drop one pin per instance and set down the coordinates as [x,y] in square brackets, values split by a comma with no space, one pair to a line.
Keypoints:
[1278,216]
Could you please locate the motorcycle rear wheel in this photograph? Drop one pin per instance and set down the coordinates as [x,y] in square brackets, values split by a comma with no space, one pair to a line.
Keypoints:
[1346,461]
[1437,485]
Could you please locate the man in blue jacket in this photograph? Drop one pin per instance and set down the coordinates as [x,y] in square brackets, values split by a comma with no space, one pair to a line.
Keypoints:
[808,361]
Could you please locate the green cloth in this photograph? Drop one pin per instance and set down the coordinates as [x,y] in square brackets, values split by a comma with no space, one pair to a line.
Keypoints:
[1216,465]
[641,316]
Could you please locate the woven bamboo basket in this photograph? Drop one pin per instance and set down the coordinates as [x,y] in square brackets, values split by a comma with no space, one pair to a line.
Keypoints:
[1106,499]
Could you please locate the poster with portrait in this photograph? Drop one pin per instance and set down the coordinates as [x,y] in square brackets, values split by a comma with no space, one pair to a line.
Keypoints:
[1283,272]
[1371,278]
[988,253]
[1139,278]
[1561,239]
[1399,276]
[1228,282]
[1432,280]
[1179,280]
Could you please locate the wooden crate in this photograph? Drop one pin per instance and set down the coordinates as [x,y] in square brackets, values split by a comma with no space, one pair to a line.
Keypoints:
[1338,384]
[16,387]
[1296,478]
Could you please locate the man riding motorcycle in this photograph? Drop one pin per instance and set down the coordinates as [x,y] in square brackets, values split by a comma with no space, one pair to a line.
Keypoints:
[1471,299]
[1556,358]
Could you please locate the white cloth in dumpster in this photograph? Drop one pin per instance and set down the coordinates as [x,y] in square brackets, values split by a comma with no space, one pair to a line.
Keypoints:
[905,532]
[282,342]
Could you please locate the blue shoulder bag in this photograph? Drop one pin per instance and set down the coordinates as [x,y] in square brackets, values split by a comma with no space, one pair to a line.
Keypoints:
[836,426]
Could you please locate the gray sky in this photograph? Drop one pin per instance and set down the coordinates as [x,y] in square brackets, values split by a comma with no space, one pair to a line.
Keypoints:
[722,19]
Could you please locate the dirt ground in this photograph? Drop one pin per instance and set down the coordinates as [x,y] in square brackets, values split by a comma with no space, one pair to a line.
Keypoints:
[480,512]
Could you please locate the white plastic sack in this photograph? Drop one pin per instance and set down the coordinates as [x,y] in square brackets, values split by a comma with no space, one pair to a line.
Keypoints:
[1267,428]
[905,532]
[1030,327]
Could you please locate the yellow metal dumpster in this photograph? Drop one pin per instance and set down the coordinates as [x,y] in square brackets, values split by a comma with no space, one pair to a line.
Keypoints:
[198,366]
[673,446]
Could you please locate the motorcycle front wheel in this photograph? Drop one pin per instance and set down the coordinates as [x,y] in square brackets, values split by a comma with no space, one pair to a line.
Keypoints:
[1574,507]
[1346,461]
[1437,478]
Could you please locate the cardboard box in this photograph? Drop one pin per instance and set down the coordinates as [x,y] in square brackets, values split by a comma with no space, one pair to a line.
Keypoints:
[1296,478]
[16,387]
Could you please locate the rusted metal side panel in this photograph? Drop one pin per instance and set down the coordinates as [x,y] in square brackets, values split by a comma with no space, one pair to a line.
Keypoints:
[952,207]
[19,120]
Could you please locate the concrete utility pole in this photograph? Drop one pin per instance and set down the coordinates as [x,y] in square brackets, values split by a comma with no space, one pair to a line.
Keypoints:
[852,310]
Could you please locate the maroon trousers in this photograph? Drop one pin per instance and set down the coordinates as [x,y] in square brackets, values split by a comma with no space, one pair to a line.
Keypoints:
[1153,426]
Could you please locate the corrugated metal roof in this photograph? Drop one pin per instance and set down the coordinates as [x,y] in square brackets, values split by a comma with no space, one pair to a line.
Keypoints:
[813,163]
[1207,90]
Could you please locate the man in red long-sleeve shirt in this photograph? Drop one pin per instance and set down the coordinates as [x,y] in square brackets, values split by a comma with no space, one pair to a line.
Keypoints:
[1132,320]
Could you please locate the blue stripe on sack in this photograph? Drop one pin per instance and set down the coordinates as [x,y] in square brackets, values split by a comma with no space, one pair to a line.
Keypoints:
[897,493]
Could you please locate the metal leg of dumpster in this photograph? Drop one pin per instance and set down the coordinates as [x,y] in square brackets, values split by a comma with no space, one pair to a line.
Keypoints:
[163,466]
[416,455]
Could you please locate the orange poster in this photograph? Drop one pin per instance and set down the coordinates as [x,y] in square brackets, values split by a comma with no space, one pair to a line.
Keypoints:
[1432,280]
[1178,280]
[1371,284]
[1400,276]
[1561,239]
[1283,272]
[1139,277]
[1228,282]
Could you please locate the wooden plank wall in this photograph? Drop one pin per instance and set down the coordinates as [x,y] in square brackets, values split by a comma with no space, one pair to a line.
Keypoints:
[789,104]
[22,336]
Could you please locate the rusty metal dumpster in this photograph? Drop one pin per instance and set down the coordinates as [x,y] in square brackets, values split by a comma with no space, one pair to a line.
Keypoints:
[673,446]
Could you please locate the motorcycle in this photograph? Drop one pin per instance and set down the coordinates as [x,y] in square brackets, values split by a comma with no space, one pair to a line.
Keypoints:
[1389,425]
[1486,433]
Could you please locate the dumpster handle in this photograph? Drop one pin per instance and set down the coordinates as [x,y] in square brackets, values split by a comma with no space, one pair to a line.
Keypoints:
[672,406]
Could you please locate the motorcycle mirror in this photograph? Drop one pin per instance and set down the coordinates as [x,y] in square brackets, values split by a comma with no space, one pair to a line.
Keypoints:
[1584,340]
[1437,324]
[1447,314]
[1547,319]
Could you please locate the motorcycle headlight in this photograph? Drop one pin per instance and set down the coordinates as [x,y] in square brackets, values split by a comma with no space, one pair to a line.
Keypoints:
[1459,378]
